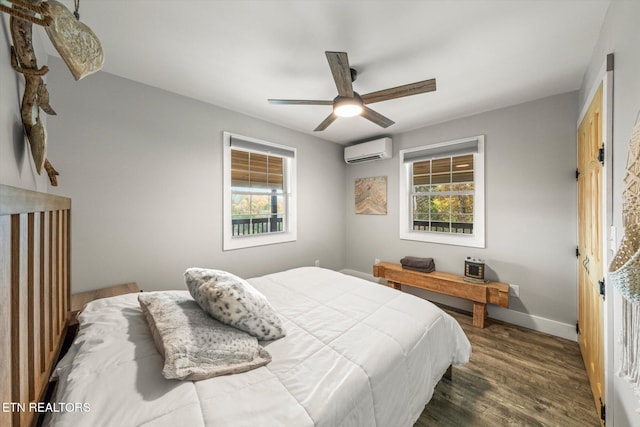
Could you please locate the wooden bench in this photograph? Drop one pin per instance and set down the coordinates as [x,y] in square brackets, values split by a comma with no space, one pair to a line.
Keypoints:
[480,294]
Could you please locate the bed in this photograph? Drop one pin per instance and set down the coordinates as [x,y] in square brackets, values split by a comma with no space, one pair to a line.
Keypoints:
[355,354]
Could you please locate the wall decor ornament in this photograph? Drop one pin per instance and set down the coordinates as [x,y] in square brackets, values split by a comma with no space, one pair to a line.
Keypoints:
[624,270]
[371,195]
[78,46]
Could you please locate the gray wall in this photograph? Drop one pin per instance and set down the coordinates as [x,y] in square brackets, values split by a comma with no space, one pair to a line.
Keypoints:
[16,165]
[144,170]
[530,210]
[143,167]
[620,35]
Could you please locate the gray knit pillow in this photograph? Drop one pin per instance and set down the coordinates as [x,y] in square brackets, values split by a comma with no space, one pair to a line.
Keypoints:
[234,301]
[194,345]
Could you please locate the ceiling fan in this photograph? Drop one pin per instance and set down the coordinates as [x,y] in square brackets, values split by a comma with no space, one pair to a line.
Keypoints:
[349,103]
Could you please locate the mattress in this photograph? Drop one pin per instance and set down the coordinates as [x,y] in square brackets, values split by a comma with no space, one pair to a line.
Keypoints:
[356,354]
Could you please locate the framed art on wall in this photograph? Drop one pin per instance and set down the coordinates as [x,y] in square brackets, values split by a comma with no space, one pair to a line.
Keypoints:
[371,195]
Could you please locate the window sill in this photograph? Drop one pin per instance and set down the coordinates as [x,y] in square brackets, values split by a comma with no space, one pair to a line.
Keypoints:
[468,240]
[240,242]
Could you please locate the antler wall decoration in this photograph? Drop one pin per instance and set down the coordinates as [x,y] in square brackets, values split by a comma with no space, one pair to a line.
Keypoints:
[75,42]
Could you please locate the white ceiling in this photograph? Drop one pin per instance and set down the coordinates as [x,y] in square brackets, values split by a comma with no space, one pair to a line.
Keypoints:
[238,53]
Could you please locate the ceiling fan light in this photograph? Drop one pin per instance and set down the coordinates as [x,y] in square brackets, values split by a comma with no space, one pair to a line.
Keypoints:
[347,110]
[347,107]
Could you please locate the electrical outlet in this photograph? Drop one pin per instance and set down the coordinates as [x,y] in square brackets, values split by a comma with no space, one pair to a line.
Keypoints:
[317,263]
[376,261]
[514,290]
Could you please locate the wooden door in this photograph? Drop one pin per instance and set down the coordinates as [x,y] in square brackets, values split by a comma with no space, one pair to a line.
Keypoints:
[590,270]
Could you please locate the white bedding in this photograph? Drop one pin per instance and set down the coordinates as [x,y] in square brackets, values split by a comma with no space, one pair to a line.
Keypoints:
[356,354]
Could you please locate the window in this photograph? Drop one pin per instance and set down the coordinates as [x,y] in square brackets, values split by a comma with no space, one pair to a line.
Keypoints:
[259,192]
[442,193]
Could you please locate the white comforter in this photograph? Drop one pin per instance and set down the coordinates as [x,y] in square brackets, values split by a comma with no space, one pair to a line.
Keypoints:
[356,354]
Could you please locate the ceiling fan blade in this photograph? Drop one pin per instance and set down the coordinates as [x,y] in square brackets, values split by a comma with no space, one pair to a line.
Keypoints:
[339,64]
[376,117]
[400,91]
[326,122]
[299,102]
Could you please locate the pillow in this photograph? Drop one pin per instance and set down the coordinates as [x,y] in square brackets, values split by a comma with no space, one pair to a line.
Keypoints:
[234,301]
[194,345]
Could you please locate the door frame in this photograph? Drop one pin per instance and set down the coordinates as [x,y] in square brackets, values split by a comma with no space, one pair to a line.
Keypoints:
[608,234]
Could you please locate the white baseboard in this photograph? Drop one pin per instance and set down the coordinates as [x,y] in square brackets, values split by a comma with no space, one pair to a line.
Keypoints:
[526,320]
[537,323]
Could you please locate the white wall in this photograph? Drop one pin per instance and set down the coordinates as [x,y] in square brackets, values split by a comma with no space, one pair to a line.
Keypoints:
[16,164]
[620,35]
[144,170]
[530,210]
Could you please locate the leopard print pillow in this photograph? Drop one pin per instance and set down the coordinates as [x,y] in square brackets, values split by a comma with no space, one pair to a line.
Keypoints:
[233,301]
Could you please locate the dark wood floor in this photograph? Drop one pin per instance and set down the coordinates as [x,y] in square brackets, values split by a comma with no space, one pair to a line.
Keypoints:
[516,377]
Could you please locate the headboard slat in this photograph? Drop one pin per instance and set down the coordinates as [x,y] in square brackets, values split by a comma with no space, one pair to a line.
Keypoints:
[14,306]
[31,331]
[34,297]
[5,315]
[43,297]
[52,282]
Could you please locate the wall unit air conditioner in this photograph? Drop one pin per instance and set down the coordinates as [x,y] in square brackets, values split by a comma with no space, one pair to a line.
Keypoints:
[368,151]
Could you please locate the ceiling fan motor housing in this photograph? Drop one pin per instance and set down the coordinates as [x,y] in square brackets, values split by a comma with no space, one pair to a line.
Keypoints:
[345,106]
[354,74]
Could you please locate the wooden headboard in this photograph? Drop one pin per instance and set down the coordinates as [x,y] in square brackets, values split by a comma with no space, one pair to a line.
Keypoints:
[34,297]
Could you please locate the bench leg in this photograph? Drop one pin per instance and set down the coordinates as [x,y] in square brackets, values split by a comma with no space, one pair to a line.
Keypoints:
[479,314]
[394,285]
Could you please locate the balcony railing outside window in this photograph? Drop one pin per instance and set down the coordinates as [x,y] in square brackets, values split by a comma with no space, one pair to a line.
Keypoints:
[444,227]
[253,226]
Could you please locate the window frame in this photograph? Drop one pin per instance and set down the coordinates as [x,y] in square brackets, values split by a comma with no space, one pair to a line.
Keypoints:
[289,232]
[475,240]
